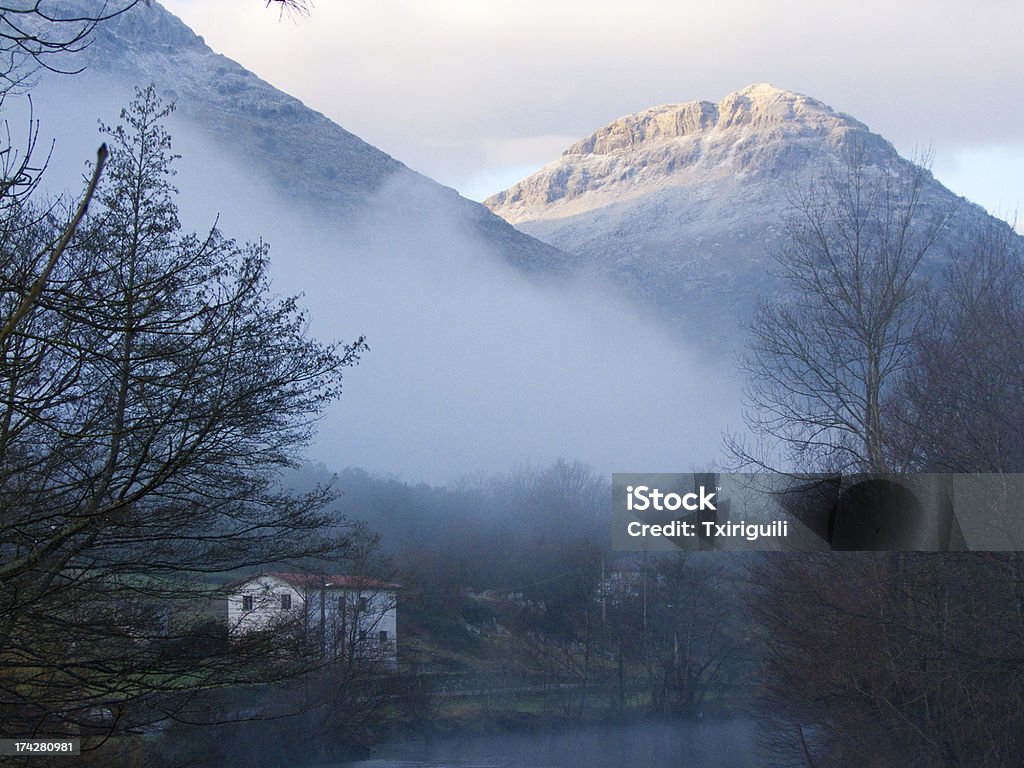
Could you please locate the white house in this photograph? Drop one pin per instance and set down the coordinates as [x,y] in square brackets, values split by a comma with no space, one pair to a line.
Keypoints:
[336,614]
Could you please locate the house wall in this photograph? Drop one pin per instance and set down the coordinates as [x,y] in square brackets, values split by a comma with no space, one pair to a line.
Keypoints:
[265,592]
[373,611]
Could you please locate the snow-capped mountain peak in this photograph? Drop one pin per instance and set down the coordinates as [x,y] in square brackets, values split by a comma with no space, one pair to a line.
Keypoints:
[760,130]
[756,107]
[682,203]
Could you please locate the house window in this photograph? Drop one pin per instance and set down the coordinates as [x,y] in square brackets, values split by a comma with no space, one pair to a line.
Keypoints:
[246,602]
[383,636]
[362,635]
[363,603]
[286,602]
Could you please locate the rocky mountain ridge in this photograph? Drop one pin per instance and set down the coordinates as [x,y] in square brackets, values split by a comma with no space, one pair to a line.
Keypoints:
[759,130]
[682,205]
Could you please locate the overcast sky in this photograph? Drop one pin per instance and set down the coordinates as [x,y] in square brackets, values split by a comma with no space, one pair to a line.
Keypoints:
[479,93]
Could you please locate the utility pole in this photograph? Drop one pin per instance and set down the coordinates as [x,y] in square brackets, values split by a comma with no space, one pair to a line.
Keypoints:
[604,595]
[323,618]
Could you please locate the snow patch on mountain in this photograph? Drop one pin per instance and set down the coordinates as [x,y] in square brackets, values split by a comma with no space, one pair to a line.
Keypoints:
[760,131]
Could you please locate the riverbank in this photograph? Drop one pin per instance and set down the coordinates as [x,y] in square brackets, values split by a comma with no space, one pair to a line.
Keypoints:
[699,744]
[549,708]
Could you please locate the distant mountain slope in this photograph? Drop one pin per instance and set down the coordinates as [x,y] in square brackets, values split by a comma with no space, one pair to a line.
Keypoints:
[485,354]
[680,203]
[310,159]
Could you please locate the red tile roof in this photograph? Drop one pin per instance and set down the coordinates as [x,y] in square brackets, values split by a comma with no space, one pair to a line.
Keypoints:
[336,580]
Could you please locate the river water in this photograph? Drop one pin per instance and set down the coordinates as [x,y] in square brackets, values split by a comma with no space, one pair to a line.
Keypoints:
[697,744]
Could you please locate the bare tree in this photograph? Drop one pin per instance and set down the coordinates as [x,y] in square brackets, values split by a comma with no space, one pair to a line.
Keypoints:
[891,658]
[822,359]
[695,639]
[558,627]
[148,399]
[292,7]
[960,406]
[896,658]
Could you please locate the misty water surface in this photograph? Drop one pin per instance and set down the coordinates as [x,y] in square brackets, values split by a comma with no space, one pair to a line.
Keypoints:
[705,744]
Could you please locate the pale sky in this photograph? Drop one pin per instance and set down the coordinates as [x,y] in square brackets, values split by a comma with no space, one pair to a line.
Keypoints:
[479,93]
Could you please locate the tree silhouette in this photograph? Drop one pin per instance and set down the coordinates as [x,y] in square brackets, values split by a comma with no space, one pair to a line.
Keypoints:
[150,396]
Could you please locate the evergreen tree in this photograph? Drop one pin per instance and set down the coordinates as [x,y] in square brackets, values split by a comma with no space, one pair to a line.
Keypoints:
[148,399]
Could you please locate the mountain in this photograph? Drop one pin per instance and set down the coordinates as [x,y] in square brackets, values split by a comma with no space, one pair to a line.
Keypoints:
[681,204]
[485,352]
[305,155]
